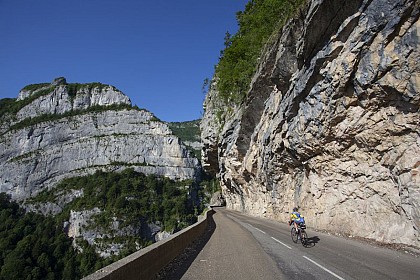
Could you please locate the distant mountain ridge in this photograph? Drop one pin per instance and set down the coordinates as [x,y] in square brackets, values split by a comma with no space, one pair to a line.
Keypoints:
[59,130]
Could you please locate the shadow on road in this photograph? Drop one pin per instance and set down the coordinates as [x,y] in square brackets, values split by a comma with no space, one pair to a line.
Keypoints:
[177,267]
[311,241]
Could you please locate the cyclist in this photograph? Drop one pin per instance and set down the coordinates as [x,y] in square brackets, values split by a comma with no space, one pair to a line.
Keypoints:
[296,219]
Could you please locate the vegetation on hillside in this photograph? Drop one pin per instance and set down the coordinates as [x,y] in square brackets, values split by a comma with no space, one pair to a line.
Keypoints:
[36,247]
[10,106]
[53,117]
[239,59]
[5,106]
[130,196]
[188,132]
[34,87]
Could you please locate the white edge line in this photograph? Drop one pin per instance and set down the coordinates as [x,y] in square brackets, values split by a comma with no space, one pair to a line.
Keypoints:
[255,228]
[282,243]
[327,270]
[260,230]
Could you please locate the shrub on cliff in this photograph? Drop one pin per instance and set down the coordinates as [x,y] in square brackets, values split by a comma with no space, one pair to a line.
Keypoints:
[239,59]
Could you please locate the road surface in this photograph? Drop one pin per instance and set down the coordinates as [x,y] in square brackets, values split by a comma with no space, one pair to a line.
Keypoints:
[243,247]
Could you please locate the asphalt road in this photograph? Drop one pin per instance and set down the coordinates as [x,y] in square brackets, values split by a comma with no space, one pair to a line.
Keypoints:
[243,247]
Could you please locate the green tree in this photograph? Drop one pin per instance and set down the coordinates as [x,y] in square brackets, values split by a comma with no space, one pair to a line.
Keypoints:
[239,59]
[32,246]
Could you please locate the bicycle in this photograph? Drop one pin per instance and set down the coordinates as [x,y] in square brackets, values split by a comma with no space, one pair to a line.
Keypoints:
[300,234]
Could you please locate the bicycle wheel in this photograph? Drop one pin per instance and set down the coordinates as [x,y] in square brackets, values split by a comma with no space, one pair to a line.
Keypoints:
[294,235]
[303,238]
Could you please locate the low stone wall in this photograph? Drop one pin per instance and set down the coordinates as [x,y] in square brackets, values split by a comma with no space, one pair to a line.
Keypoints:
[147,262]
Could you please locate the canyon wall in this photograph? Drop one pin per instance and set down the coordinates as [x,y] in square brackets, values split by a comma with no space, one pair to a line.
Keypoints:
[330,123]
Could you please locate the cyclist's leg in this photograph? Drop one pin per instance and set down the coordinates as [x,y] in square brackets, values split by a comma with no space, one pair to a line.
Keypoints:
[297,230]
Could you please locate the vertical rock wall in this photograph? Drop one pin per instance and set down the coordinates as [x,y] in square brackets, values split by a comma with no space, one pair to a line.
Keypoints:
[331,123]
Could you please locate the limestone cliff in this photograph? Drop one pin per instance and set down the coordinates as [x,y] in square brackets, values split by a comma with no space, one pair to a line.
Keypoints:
[59,130]
[330,123]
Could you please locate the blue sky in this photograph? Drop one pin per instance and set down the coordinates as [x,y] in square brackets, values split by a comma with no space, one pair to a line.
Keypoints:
[156,52]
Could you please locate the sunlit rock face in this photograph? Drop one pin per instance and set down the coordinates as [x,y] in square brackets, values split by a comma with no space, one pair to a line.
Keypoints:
[68,138]
[331,124]
[63,98]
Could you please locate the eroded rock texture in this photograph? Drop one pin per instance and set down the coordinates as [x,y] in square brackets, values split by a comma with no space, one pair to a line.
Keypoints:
[36,156]
[331,123]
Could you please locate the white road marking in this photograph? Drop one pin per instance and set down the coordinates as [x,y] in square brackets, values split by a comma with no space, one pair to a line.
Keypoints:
[259,230]
[285,245]
[271,236]
[324,268]
[256,228]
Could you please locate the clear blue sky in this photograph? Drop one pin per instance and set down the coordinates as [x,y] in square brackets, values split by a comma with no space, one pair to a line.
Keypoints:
[156,52]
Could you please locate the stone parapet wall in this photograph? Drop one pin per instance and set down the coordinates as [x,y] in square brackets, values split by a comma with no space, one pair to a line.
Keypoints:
[147,262]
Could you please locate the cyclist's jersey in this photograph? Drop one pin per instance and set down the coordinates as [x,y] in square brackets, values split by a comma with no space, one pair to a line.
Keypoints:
[296,217]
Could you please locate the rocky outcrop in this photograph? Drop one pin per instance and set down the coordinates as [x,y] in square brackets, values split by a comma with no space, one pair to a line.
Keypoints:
[76,130]
[209,127]
[60,97]
[217,200]
[81,225]
[330,124]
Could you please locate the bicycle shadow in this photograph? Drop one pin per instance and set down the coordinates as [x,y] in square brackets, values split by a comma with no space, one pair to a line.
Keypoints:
[312,241]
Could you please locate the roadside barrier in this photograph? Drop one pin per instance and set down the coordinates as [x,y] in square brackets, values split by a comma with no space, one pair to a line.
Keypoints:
[147,262]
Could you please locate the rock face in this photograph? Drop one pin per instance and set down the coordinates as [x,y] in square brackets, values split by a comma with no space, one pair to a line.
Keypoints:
[62,98]
[80,226]
[330,124]
[69,138]
[217,200]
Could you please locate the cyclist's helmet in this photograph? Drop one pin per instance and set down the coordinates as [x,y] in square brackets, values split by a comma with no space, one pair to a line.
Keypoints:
[295,209]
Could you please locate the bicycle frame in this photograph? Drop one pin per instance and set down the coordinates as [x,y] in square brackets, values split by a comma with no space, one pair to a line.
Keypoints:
[299,234]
